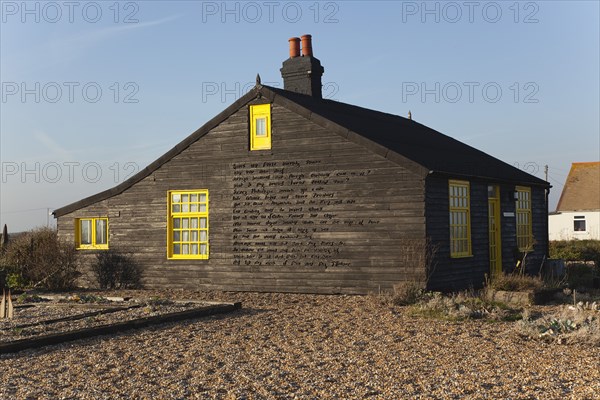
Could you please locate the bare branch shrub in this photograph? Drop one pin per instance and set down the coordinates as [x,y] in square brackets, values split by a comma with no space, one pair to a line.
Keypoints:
[116,270]
[39,259]
[419,254]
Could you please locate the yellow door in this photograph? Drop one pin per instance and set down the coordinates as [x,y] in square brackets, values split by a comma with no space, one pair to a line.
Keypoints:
[494,230]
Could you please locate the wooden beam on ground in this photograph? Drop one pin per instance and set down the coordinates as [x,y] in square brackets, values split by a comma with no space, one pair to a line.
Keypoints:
[57,338]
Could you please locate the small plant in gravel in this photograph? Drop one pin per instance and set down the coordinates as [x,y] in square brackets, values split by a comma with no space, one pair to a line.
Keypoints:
[90,298]
[573,324]
[83,298]
[29,298]
[158,301]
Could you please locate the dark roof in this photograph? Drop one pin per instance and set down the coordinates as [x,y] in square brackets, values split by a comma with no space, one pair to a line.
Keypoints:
[582,188]
[406,142]
[425,146]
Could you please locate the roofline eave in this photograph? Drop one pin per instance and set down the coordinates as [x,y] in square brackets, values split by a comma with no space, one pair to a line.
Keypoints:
[539,183]
[156,164]
[348,134]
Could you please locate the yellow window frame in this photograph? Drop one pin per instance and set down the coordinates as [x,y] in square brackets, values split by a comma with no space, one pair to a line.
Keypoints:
[187,224]
[459,199]
[260,127]
[93,245]
[523,216]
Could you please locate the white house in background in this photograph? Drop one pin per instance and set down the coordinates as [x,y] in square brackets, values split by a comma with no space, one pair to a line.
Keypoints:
[577,214]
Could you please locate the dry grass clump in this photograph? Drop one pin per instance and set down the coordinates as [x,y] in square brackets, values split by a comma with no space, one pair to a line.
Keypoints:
[407,293]
[455,306]
[515,282]
[573,324]
[462,306]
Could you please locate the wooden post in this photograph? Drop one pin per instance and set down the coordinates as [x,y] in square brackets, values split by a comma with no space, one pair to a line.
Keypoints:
[3,240]
[3,305]
[9,308]
[6,306]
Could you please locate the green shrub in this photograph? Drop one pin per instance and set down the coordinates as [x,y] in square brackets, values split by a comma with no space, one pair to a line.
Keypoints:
[576,250]
[39,259]
[16,281]
[116,270]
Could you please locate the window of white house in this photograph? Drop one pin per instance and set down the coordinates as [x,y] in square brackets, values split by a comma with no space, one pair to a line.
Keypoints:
[579,223]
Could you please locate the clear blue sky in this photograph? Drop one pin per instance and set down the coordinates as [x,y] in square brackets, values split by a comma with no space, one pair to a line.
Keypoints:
[518,80]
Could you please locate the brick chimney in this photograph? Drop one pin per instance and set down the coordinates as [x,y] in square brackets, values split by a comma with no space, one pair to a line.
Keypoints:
[302,73]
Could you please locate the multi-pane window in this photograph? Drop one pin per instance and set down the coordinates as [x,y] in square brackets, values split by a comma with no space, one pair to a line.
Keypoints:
[579,223]
[260,127]
[460,219]
[91,233]
[188,224]
[523,215]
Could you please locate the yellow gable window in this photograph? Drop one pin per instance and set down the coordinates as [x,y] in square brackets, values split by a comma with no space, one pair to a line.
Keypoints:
[260,127]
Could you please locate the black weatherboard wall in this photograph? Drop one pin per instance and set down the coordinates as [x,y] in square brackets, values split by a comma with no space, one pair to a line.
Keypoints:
[470,272]
[319,213]
[346,200]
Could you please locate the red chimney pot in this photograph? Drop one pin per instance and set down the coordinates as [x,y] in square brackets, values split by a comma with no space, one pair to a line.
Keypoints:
[294,47]
[307,45]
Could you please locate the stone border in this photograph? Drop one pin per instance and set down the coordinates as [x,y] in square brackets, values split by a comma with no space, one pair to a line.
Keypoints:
[62,337]
[512,298]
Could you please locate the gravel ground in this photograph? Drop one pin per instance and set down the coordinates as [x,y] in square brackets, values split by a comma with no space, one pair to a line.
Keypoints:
[305,347]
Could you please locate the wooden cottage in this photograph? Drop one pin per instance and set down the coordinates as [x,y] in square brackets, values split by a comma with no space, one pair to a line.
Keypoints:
[286,191]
